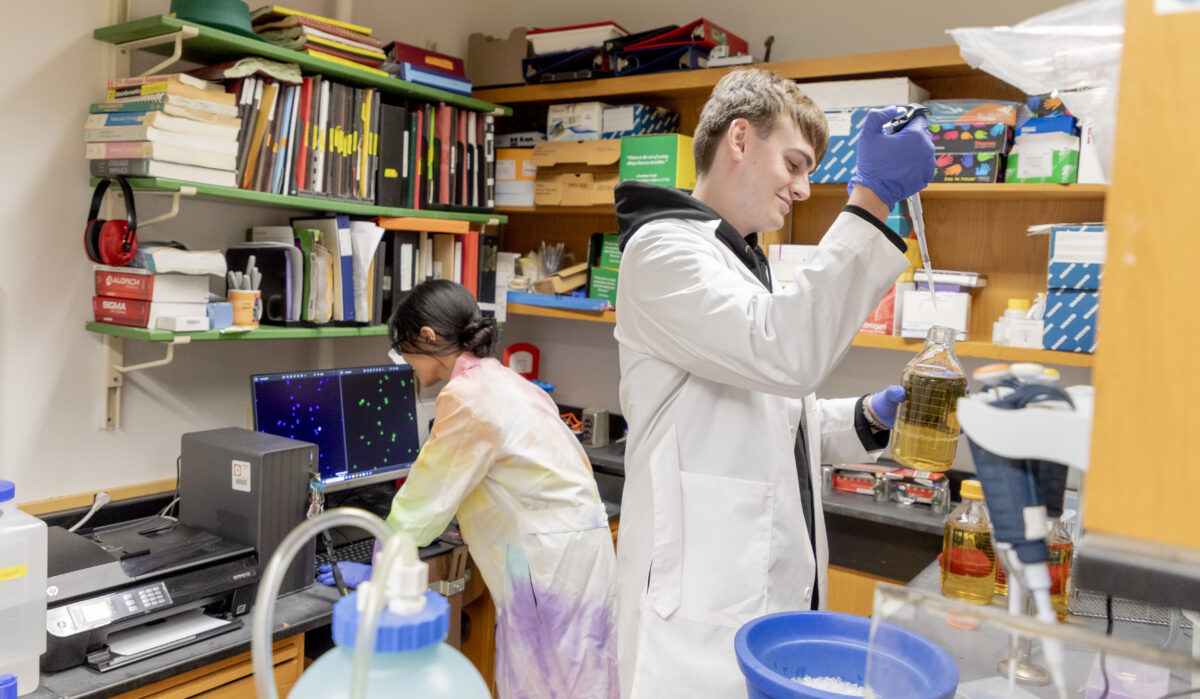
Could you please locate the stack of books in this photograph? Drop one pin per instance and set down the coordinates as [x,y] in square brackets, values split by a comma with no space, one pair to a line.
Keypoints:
[331,40]
[144,299]
[425,67]
[172,125]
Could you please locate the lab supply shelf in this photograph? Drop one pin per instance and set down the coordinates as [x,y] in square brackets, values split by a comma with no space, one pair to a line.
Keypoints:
[977,227]
[234,195]
[264,332]
[209,46]
[562,313]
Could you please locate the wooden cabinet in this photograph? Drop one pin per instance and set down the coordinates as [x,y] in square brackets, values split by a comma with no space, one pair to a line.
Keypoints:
[853,592]
[231,678]
[977,227]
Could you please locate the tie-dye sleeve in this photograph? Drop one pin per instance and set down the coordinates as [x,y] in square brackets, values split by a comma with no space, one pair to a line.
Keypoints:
[453,461]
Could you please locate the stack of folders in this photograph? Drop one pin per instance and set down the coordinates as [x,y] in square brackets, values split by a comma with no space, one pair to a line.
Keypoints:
[425,67]
[444,249]
[172,125]
[349,45]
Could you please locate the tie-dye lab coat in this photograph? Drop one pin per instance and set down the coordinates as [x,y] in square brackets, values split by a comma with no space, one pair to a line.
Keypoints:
[501,458]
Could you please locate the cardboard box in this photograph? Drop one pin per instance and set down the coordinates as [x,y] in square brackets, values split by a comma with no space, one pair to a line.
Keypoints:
[970,138]
[608,250]
[848,94]
[144,285]
[496,61]
[578,121]
[638,120]
[603,285]
[142,314]
[515,176]
[841,156]
[1090,169]
[664,159]
[564,281]
[575,173]
[969,167]
[1047,157]
[1077,256]
[1054,124]
[889,312]
[918,314]
[1069,324]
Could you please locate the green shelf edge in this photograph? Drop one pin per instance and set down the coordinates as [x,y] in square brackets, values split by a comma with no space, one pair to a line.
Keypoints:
[214,46]
[247,196]
[264,332]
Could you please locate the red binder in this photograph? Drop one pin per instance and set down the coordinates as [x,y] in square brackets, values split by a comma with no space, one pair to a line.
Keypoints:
[701,33]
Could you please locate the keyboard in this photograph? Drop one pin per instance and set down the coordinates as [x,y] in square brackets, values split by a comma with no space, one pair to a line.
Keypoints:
[359,551]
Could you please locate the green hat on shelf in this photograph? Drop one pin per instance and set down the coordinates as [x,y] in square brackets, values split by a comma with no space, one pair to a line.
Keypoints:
[227,15]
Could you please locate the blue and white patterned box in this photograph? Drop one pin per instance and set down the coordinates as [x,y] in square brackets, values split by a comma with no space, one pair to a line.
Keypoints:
[638,120]
[841,157]
[1077,255]
[1069,324]
[1074,276]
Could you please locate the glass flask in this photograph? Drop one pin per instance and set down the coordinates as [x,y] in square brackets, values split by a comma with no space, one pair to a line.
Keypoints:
[968,559]
[925,435]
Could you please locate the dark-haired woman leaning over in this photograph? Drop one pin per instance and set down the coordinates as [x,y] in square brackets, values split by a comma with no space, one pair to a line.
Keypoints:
[500,457]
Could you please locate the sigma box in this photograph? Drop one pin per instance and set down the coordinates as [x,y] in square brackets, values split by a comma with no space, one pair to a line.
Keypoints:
[664,159]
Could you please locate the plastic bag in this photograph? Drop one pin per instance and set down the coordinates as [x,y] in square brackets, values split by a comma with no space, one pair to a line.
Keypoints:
[1074,50]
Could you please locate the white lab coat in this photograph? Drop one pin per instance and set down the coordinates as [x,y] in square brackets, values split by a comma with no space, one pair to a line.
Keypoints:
[501,457]
[716,372]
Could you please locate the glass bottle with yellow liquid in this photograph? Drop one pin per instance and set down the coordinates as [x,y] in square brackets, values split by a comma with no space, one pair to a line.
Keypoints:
[926,432]
[1062,550]
[968,560]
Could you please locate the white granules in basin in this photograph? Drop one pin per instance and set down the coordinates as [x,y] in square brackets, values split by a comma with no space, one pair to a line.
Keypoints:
[831,684]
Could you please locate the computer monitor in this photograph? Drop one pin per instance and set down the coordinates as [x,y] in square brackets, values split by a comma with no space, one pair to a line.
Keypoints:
[363,419]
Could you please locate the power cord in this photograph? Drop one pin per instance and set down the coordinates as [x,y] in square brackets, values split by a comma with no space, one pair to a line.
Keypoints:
[102,498]
[1108,628]
[333,564]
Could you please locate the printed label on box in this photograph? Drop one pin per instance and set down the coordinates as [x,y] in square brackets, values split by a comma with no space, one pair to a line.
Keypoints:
[840,123]
[240,471]
[1035,164]
[506,170]
[618,118]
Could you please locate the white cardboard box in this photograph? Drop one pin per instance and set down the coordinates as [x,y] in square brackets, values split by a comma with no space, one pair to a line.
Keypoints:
[876,92]
[953,311]
[579,121]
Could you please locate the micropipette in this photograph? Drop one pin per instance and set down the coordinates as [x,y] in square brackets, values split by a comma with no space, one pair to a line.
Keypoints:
[911,112]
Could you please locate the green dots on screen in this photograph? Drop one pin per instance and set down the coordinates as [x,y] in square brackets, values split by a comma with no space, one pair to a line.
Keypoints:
[362,401]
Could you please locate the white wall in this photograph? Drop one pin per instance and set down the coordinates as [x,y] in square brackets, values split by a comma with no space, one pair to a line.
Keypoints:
[50,376]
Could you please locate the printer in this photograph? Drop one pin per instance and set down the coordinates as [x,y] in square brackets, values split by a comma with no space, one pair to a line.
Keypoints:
[136,589]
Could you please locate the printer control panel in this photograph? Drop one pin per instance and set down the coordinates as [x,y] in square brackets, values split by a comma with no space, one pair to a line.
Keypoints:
[89,614]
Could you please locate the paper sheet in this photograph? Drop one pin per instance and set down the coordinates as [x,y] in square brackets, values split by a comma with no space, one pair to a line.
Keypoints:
[142,638]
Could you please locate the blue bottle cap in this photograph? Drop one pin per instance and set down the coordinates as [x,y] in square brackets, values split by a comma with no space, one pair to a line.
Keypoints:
[396,633]
[7,490]
[8,683]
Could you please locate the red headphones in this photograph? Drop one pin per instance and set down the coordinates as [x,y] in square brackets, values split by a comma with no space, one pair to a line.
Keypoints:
[111,242]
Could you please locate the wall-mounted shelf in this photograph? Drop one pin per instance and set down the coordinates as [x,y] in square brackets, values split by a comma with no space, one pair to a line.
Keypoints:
[210,46]
[264,332]
[967,348]
[249,197]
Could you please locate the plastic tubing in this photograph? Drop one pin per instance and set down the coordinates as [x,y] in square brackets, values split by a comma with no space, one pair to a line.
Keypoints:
[262,620]
[398,545]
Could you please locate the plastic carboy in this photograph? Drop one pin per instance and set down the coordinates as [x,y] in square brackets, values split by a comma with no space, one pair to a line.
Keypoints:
[22,591]
[411,657]
[968,559]
[926,432]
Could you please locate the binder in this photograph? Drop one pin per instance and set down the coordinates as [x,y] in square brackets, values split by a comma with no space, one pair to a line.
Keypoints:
[621,43]
[661,59]
[702,33]
[392,170]
[580,64]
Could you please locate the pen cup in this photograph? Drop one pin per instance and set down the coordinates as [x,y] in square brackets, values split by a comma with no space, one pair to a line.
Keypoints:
[247,306]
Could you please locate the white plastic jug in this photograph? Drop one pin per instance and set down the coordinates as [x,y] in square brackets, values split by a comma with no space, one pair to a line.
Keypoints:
[411,658]
[22,591]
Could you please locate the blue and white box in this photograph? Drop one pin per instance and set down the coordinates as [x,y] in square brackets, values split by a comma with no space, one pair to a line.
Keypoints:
[1077,256]
[841,157]
[638,120]
[579,121]
[1069,324]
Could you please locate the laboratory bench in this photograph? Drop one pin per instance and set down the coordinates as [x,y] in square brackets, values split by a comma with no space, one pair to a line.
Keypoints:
[221,664]
[977,651]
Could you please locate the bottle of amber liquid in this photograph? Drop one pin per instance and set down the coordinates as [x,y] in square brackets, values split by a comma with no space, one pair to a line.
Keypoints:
[1061,552]
[926,432]
[968,560]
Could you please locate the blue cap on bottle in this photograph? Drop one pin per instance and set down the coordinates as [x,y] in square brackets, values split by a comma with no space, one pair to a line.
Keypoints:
[7,490]
[396,633]
[8,683]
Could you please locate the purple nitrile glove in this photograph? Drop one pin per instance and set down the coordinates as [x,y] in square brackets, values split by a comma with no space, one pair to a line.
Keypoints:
[884,403]
[894,166]
[353,574]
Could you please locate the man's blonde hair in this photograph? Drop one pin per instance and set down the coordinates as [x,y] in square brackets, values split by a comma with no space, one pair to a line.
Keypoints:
[762,98]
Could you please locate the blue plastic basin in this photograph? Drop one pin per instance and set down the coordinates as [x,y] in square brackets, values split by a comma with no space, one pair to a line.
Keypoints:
[774,649]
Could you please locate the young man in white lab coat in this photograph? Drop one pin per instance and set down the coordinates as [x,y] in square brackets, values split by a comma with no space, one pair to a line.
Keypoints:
[720,522]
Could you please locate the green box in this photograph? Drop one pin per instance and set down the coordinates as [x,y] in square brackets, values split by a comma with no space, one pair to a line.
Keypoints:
[610,251]
[1048,157]
[663,159]
[603,285]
